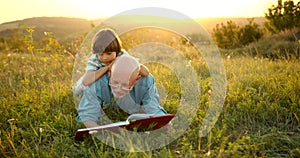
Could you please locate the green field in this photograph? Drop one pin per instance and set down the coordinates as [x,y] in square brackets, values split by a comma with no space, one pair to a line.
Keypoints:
[260,116]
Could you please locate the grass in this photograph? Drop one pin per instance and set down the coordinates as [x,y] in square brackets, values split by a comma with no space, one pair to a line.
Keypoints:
[260,117]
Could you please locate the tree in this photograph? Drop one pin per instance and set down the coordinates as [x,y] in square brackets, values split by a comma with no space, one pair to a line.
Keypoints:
[250,33]
[284,16]
[232,36]
[226,36]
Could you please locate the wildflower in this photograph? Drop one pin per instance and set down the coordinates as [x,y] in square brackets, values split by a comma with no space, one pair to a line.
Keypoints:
[208,153]
[10,121]
[209,92]
[190,62]
[41,130]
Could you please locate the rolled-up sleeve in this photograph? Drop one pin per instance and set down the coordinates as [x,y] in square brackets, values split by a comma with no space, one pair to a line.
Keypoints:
[78,88]
[94,63]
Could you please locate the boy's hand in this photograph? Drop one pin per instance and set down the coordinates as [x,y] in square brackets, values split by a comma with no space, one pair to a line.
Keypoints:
[109,68]
[144,72]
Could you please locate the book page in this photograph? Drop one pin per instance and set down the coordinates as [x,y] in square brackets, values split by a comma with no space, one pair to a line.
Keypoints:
[139,116]
[116,124]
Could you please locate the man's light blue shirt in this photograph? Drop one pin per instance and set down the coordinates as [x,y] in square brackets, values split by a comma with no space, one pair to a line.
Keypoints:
[143,96]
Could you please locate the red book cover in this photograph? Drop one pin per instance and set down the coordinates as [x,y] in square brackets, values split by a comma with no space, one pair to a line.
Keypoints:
[139,121]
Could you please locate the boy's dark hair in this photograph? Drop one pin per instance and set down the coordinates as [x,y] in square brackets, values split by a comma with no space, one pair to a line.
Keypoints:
[106,40]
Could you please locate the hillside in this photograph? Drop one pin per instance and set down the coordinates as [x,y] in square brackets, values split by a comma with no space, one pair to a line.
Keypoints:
[62,28]
[67,28]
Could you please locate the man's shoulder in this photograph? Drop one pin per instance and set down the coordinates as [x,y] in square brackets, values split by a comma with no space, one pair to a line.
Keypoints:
[123,52]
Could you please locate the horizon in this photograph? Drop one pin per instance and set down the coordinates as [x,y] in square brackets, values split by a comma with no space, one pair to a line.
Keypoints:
[95,9]
[229,17]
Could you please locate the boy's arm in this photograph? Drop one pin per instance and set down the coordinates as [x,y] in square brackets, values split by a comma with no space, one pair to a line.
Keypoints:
[144,71]
[91,76]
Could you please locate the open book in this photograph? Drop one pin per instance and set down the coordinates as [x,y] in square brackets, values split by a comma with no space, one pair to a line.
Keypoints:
[133,121]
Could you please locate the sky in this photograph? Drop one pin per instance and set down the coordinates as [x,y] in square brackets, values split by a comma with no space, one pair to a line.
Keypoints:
[11,10]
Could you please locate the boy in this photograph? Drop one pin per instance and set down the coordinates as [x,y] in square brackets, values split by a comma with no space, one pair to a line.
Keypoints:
[106,47]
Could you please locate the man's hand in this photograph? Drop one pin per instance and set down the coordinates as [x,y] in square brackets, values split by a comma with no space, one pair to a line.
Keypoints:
[169,126]
[90,124]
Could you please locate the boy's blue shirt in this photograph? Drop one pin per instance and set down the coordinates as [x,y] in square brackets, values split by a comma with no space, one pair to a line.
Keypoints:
[95,64]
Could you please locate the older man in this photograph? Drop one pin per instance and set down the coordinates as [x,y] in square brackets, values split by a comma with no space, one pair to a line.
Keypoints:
[132,93]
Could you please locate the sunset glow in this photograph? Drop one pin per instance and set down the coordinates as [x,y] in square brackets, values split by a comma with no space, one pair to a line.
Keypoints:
[93,9]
